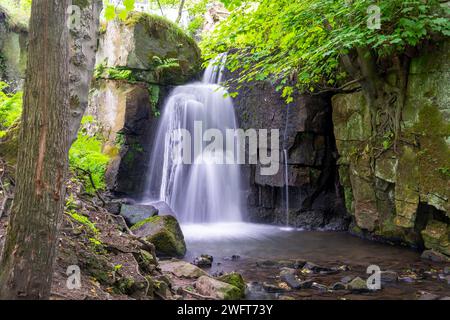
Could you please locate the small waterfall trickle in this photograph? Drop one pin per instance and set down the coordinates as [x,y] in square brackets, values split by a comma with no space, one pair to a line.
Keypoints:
[203,191]
[286,168]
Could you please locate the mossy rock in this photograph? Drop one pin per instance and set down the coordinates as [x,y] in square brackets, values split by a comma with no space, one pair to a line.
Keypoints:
[9,144]
[217,289]
[236,280]
[165,233]
[436,237]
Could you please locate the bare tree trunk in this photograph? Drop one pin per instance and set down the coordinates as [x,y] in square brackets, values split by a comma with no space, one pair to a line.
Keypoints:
[29,251]
[83,40]
[180,11]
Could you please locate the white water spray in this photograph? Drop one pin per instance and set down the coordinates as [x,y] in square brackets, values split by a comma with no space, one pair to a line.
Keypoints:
[201,192]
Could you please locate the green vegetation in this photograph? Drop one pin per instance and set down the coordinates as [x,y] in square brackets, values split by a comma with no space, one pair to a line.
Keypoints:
[10,108]
[86,158]
[18,11]
[298,44]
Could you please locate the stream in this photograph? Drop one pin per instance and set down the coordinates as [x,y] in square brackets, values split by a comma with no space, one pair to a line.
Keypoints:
[259,252]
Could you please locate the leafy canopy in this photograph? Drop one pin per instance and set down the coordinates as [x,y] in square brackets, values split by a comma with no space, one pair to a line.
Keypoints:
[303,40]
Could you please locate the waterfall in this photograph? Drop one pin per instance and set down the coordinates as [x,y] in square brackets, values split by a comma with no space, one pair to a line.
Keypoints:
[286,168]
[204,191]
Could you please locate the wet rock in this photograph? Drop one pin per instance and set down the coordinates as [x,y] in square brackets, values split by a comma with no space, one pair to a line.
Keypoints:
[298,264]
[266,263]
[283,297]
[339,286]
[307,284]
[358,285]
[346,279]
[271,288]
[447,270]
[204,261]
[135,213]
[182,269]
[407,279]
[236,280]
[217,289]
[434,256]
[320,287]
[388,277]
[113,206]
[291,280]
[234,257]
[316,268]
[165,233]
[427,296]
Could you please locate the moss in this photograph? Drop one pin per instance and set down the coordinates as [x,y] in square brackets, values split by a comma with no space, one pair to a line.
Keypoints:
[153,219]
[236,280]
[155,23]
[81,3]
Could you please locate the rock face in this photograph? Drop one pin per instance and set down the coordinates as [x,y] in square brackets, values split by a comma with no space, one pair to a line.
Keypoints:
[306,132]
[401,196]
[138,62]
[165,233]
[13,50]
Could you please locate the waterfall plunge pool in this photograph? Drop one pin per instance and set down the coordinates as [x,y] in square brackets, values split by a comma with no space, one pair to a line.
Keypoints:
[259,253]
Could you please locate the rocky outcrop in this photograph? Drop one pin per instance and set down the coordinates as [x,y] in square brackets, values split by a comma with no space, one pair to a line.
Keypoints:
[13,49]
[138,62]
[400,193]
[164,233]
[306,133]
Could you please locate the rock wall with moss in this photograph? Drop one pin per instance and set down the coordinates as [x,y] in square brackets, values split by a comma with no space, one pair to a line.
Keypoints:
[400,193]
[13,45]
[138,62]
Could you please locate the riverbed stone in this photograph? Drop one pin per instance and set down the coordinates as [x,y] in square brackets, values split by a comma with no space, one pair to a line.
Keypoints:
[291,280]
[358,285]
[339,286]
[217,289]
[236,280]
[436,236]
[138,212]
[182,269]
[165,233]
[434,256]
[388,277]
[204,261]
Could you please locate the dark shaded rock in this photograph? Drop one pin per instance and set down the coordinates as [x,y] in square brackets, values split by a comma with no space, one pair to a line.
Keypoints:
[427,296]
[165,233]
[271,288]
[339,286]
[318,269]
[163,208]
[434,256]
[447,270]
[291,280]
[346,279]
[307,284]
[388,277]
[320,287]
[204,261]
[136,213]
[113,206]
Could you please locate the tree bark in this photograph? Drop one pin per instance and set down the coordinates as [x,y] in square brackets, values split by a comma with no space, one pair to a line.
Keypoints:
[180,11]
[29,251]
[83,40]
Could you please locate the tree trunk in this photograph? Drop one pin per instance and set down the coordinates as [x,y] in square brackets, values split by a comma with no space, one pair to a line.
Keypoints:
[83,40]
[29,251]
[180,11]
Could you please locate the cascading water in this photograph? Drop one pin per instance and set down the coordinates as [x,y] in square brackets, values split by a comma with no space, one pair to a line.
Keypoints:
[286,168]
[204,191]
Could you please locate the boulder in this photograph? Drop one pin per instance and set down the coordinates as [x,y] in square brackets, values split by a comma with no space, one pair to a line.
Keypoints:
[358,285]
[165,233]
[204,261]
[182,269]
[217,289]
[436,236]
[154,48]
[138,212]
[236,280]
[388,277]
[434,256]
